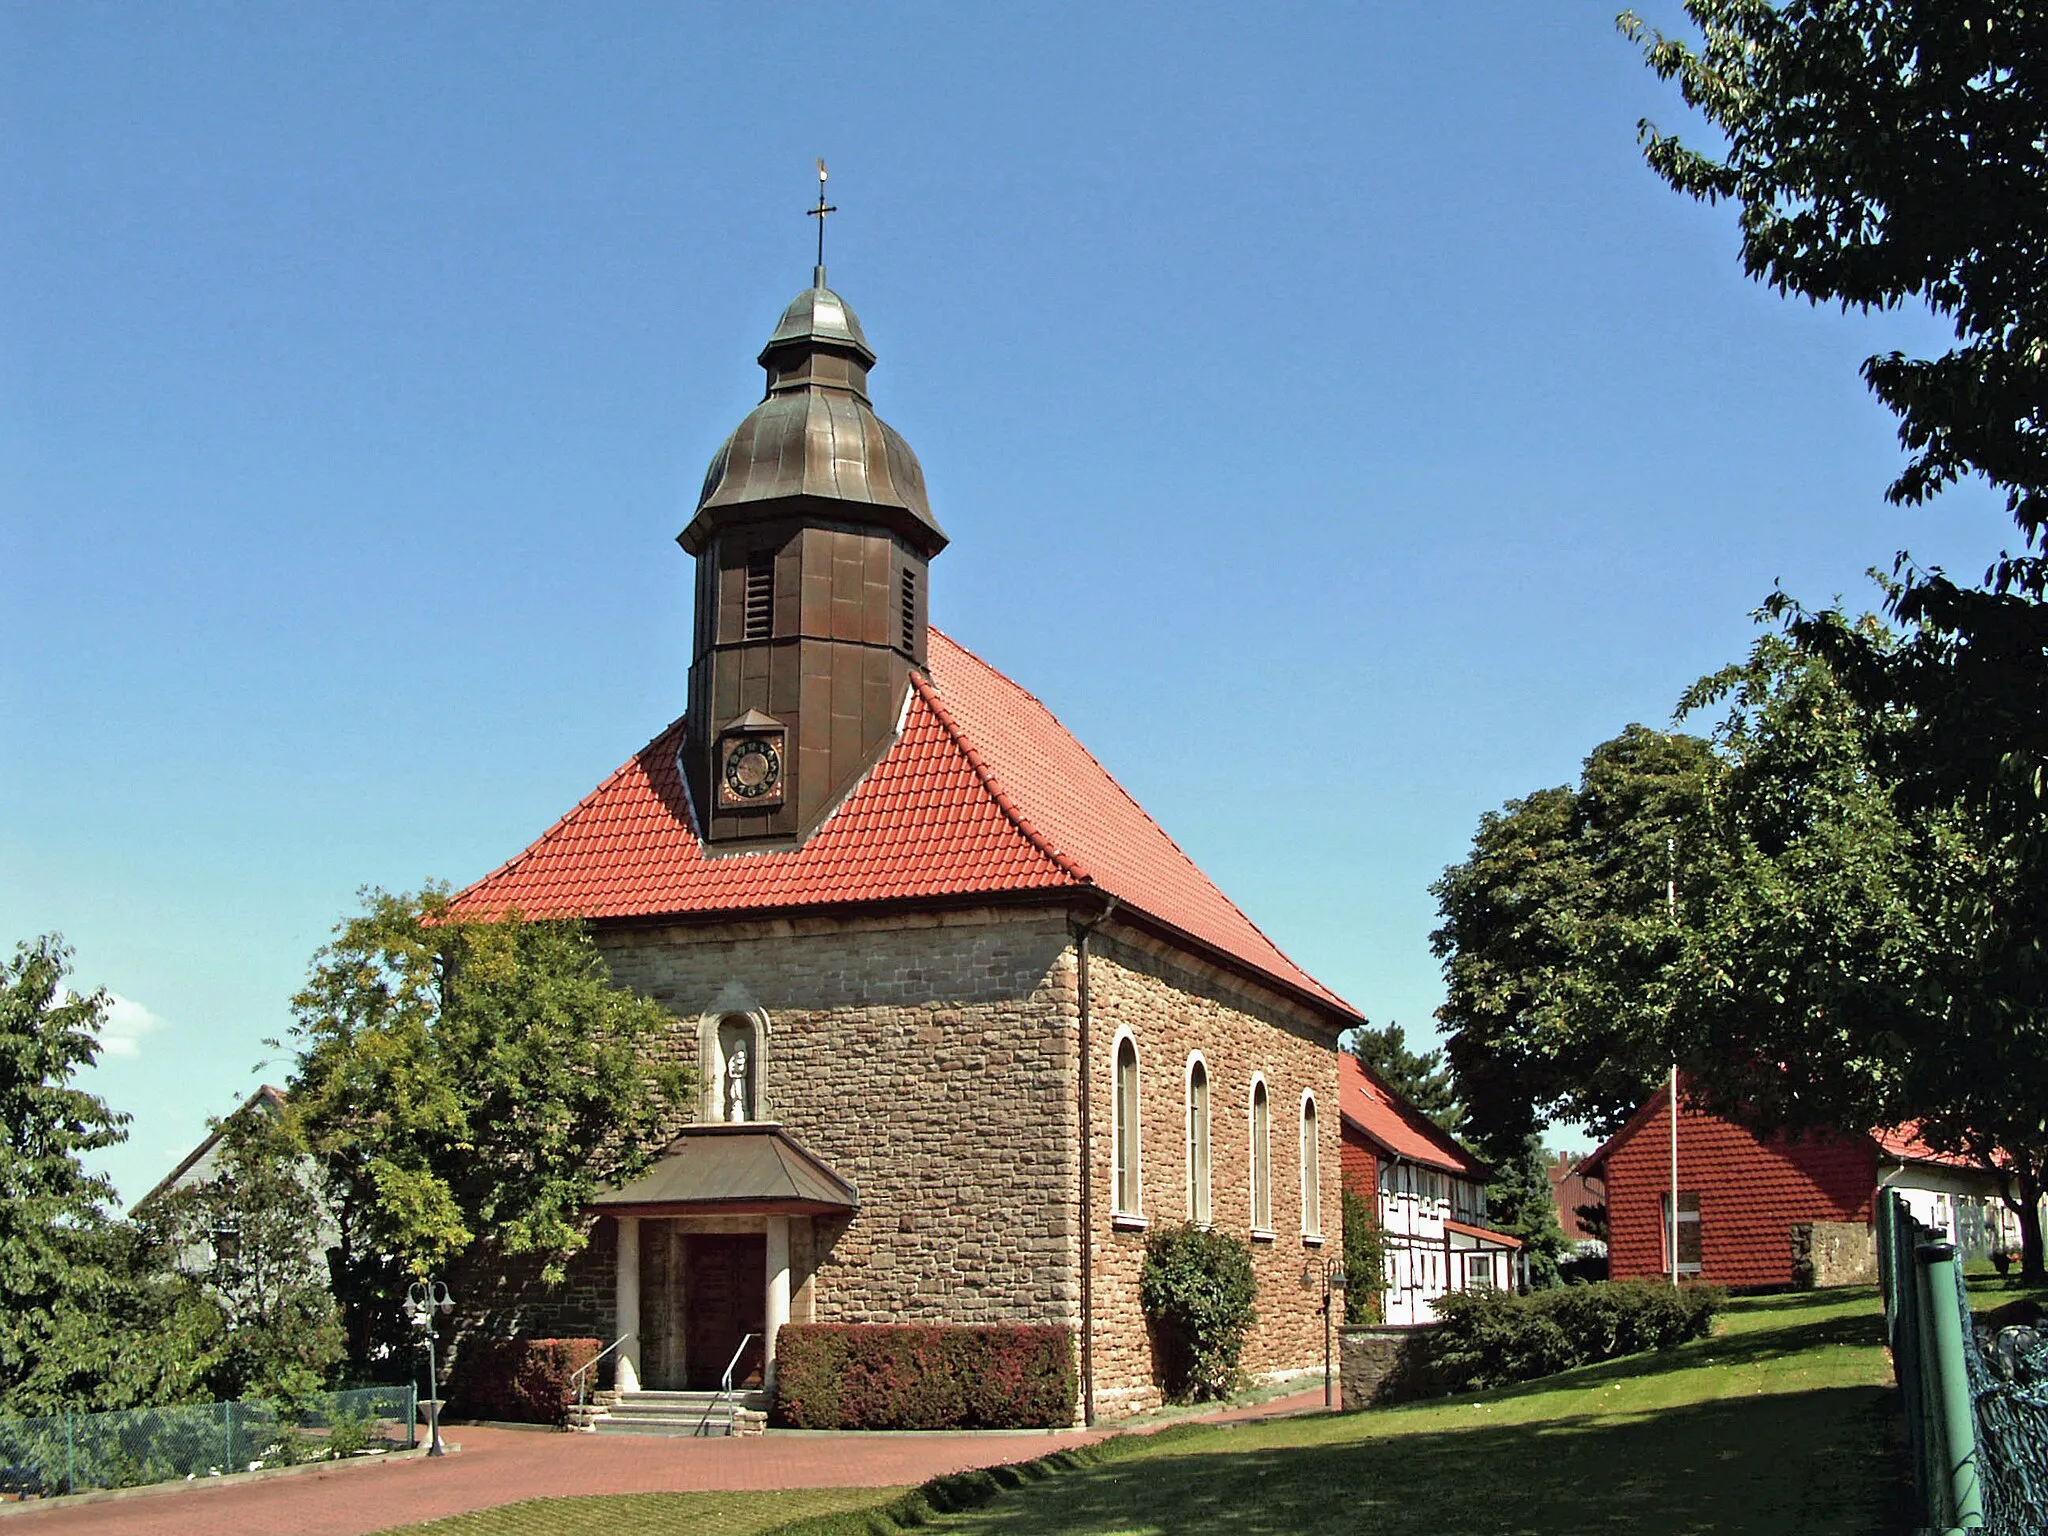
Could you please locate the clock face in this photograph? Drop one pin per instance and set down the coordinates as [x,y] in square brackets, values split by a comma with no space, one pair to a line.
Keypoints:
[753,769]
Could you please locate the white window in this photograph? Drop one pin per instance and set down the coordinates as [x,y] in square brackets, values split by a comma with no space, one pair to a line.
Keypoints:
[1478,1271]
[1262,1171]
[1311,1171]
[1198,1141]
[1688,1231]
[1125,1107]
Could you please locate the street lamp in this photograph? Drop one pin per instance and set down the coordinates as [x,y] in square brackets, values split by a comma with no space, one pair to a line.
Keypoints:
[426,1299]
[1330,1273]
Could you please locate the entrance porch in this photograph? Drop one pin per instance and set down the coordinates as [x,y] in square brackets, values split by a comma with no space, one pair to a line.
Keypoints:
[704,1242]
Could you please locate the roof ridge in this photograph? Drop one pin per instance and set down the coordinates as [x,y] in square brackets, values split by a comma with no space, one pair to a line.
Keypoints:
[1117,783]
[562,821]
[928,691]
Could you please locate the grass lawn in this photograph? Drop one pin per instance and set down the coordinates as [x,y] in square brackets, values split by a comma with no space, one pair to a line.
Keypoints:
[654,1514]
[1778,1423]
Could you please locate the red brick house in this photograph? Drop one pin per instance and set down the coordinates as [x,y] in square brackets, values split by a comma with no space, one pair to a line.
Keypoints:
[1740,1195]
[968,1022]
[1430,1196]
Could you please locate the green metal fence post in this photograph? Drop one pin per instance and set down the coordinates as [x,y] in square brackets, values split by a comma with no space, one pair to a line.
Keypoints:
[1952,1381]
[70,1458]
[227,1438]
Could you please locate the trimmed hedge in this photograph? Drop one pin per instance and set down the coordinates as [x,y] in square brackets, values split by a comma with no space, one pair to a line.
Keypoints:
[924,1376]
[1489,1338]
[524,1380]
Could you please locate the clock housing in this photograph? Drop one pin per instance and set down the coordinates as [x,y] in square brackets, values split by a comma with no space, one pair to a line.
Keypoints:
[751,763]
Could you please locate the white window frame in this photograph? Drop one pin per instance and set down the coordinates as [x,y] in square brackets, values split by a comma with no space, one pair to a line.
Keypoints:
[1261,1163]
[1132,1215]
[1201,1208]
[1310,1149]
[1685,1217]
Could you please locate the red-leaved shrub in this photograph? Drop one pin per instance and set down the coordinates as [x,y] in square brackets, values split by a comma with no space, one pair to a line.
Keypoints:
[524,1380]
[924,1376]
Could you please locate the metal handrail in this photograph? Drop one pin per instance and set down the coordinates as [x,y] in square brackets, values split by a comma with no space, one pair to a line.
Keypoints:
[725,1382]
[589,1365]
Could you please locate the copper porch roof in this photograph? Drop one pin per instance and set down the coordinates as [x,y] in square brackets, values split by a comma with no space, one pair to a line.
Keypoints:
[734,1165]
[983,792]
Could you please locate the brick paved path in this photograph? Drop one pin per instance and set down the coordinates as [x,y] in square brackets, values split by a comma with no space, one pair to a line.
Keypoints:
[502,1466]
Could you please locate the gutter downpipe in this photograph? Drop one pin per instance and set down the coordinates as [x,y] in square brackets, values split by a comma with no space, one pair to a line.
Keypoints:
[1082,932]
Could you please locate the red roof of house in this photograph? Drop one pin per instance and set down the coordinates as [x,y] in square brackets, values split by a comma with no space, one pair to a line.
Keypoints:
[1484,1234]
[1377,1111]
[982,792]
[1902,1142]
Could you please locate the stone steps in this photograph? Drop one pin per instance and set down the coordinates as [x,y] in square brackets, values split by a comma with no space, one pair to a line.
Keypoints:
[675,1413]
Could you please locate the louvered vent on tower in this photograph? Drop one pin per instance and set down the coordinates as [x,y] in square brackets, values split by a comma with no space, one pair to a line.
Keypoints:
[760,621]
[910,611]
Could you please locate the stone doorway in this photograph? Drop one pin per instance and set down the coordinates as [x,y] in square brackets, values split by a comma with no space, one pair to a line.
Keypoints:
[700,1293]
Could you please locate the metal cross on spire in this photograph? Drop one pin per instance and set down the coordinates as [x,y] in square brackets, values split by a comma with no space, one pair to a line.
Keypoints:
[818,213]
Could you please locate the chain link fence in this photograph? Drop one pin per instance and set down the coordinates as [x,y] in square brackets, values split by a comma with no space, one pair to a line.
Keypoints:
[75,1452]
[1976,1410]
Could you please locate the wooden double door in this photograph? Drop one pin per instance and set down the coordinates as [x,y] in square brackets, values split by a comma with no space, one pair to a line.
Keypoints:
[700,1294]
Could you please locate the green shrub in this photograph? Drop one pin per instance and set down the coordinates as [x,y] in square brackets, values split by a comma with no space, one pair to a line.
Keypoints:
[924,1376]
[1365,1259]
[524,1380]
[1197,1289]
[1488,1338]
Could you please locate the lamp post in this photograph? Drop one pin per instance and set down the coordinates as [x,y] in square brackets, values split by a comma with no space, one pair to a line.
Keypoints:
[426,1299]
[1330,1273]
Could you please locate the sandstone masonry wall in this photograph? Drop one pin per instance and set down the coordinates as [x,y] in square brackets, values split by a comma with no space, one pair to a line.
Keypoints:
[1175,1005]
[929,1059]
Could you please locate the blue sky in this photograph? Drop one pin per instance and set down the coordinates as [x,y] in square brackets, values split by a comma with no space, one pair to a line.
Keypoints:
[1336,425]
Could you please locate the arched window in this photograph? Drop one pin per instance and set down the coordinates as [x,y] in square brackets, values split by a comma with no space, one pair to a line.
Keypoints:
[1262,1164]
[1126,1129]
[1311,1171]
[1198,1141]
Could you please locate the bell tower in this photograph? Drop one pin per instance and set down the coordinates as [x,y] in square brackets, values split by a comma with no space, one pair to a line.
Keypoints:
[812,538]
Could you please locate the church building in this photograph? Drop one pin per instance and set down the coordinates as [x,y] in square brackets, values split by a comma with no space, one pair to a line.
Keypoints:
[968,1022]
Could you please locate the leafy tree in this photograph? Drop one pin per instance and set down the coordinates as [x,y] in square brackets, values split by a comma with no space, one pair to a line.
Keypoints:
[1419,1077]
[255,1233]
[1882,151]
[1556,939]
[1856,964]
[1519,1202]
[468,1088]
[90,1320]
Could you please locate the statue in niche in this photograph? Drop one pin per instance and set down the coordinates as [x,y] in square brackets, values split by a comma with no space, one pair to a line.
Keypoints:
[736,1083]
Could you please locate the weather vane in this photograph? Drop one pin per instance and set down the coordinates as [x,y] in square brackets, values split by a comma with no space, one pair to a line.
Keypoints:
[818,213]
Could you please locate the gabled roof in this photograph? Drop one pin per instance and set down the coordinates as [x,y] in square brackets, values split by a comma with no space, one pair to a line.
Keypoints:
[982,793]
[270,1100]
[1380,1114]
[1902,1143]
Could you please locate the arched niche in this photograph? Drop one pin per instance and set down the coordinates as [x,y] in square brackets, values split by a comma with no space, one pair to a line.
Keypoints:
[732,1056]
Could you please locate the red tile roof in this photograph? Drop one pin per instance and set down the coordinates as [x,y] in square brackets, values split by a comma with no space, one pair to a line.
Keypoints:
[1375,1110]
[982,792]
[1484,1234]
